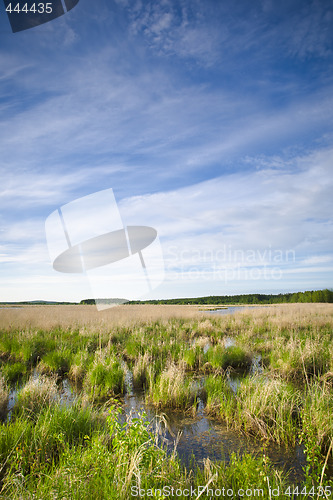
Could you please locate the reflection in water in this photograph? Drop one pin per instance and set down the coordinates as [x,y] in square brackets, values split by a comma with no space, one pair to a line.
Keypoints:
[234,382]
[229,310]
[66,394]
[229,342]
[256,366]
[202,437]
[11,402]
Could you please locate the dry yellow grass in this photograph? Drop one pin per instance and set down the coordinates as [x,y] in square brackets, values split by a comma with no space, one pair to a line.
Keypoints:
[281,317]
[87,317]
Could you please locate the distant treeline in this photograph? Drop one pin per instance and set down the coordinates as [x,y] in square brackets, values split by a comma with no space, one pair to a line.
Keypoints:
[251,298]
[38,303]
[103,301]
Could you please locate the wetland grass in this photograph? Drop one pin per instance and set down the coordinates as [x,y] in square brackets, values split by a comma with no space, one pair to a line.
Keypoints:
[76,451]
[269,409]
[172,389]
[142,370]
[317,415]
[193,358]
[31,445]
[56,362]
[81,362]
[35,395]
[13,372]
[105,378]
[221,357]
[220,399]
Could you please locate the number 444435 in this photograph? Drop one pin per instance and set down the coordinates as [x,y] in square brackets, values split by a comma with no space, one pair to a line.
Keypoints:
[35,8]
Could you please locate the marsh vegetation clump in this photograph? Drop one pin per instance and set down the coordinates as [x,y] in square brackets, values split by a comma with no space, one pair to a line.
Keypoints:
[56,362]
[105,378]
[32,447]
[79,366]
[220,399]
[206,326]
[13,372]
[317,415]
[270,408]
[36,394]
[221,357]
[300,355]
[193,357]
[142,370]
[172,389]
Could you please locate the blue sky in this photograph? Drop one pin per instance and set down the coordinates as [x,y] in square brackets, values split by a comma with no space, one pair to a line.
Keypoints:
[210,120]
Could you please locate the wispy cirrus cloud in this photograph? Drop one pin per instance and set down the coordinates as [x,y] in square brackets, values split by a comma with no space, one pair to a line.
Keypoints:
[177,29]
[182,129]
[284,207]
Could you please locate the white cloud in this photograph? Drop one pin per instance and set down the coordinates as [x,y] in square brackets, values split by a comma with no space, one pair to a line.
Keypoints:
[318,259]
[284,209]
